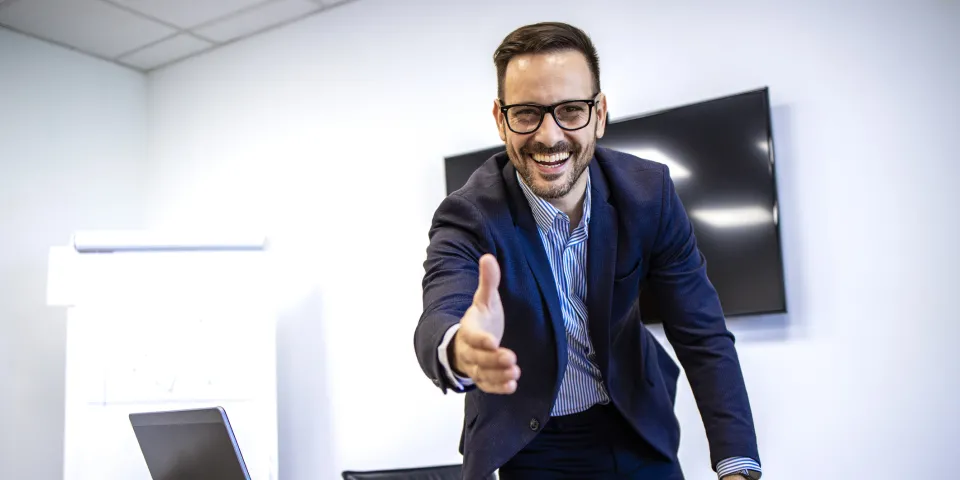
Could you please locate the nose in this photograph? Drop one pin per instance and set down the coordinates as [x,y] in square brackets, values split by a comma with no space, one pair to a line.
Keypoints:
[549,132]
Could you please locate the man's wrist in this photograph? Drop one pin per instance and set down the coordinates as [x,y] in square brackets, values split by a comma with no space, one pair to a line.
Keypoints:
[452,356]
[458,383]
[738,468]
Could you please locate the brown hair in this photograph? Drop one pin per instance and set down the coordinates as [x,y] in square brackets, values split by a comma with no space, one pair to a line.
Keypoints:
[545,37]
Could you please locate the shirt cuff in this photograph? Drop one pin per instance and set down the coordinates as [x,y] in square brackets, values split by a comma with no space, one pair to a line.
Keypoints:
[733,465]
[459,383]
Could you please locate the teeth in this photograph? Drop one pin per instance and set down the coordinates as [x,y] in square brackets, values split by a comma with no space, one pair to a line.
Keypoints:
[554,158]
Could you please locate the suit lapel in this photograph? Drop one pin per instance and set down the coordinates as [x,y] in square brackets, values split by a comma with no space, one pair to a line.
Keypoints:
[601,259]
[538,262]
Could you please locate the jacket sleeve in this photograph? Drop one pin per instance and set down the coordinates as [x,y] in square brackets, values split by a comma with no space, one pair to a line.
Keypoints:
[458,237]
[694,324]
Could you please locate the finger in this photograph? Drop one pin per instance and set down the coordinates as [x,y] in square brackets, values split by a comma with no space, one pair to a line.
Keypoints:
[501,389]
[497,376]
[473,358]
[497,359]
[489,280]
[478,339]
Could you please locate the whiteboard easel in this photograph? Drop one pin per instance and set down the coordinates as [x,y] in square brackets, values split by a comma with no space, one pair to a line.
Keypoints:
[163,329]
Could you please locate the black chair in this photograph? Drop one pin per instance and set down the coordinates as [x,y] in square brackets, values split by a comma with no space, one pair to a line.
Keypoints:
[445,472]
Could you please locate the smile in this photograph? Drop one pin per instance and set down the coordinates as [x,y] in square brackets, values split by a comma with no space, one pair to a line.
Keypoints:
[552,160]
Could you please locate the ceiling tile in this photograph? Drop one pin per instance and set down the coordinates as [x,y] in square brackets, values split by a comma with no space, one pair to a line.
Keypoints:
[256,19]
[188,13]
[87,25]
[165,52]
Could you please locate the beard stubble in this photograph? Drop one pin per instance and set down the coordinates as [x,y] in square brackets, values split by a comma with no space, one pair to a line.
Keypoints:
[579,158]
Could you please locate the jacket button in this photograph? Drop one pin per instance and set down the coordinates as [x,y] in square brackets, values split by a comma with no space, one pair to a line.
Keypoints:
[534,424]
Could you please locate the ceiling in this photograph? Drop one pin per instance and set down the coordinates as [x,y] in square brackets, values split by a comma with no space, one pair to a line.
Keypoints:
[148,34]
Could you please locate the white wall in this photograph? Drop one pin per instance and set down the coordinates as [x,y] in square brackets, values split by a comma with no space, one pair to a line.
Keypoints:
[330,135]
[72,149]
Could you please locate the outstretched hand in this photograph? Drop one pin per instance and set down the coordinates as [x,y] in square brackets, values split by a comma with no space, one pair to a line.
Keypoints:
[477,352]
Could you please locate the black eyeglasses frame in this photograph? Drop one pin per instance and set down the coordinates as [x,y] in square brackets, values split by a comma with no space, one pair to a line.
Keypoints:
[545,109]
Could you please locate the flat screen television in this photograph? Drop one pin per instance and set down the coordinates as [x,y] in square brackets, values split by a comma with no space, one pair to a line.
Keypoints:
[720,154]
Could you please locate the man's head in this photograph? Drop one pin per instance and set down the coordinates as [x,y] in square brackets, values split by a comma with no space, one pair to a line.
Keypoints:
[549,65]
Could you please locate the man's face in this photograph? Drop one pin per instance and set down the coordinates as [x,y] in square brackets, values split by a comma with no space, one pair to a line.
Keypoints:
[551,160]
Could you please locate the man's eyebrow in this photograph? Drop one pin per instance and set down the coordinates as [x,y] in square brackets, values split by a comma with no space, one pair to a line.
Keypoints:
[577,99]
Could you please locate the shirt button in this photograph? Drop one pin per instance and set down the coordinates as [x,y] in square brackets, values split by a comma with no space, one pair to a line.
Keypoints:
[534,424]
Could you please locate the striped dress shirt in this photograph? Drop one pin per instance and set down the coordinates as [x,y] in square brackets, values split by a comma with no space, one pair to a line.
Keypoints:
[582,384]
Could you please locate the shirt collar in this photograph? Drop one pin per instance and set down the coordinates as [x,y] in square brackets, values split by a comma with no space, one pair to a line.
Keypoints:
[544,212]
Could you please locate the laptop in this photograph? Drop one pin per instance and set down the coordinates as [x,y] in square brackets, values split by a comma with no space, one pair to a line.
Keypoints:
[189,445]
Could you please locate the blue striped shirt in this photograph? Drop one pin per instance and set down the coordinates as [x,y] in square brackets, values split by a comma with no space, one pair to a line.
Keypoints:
[582,385]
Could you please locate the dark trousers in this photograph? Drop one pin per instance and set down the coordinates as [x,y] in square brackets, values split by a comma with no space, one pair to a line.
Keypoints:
[595,444]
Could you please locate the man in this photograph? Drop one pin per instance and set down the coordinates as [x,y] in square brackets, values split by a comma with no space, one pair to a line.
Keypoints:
[531,290]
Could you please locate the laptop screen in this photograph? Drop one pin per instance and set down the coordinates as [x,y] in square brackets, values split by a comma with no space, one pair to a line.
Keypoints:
[189,445]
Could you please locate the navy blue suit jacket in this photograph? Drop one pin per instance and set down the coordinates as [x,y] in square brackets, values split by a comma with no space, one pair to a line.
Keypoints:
[639,237]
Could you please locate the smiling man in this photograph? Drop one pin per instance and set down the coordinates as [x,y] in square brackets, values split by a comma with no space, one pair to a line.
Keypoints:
[531,290]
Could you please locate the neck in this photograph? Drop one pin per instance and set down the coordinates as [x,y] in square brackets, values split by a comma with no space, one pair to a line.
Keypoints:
[572,203]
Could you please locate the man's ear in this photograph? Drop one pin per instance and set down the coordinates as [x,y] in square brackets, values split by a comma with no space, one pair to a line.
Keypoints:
[602,115]
[498,118]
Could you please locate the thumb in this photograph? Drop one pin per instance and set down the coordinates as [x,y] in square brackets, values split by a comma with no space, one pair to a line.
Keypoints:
[489,280]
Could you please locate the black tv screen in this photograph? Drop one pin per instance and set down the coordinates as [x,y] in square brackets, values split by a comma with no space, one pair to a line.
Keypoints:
[720,154]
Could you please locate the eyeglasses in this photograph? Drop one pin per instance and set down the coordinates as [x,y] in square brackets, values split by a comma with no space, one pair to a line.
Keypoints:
[570,115]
